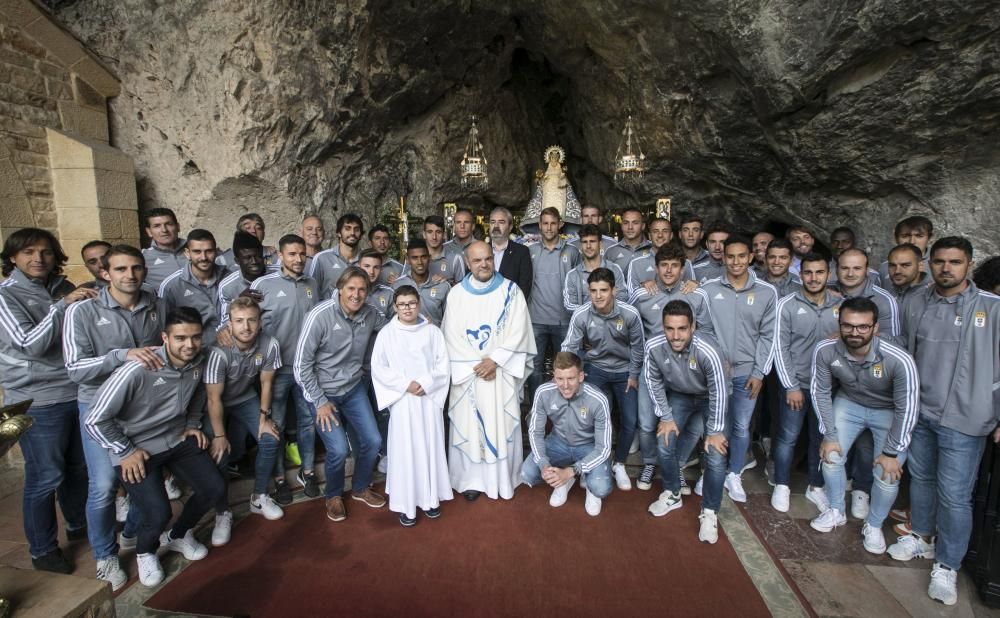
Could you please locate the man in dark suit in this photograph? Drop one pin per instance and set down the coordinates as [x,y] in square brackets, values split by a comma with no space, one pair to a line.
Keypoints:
[512,259]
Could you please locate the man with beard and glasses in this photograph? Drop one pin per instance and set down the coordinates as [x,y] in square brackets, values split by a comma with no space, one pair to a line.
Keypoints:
[197,284]
[327,266]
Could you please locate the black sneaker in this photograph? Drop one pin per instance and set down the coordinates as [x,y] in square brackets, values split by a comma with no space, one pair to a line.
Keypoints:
[309,485]
[233,471]
[77,534]
[407,522]
[645,481]
[282,493]
[433,513]
[54,562]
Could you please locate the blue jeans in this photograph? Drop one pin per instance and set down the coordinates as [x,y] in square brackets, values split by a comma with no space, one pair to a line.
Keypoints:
[355,408]
[246,416]
[786,429]
[381,418]
[741,409]
[613,385]
[647,429]
[688,409]
[563,455]
[54,467]
[102,487]
[284,390]
[192,465]
[859,462]
[545,334]
[851,419]
[943,469]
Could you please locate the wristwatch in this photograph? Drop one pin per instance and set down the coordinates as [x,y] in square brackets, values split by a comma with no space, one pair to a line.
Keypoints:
[266,413]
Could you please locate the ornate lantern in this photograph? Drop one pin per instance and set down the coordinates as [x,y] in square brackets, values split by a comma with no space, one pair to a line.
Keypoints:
[630,162]
[473,165]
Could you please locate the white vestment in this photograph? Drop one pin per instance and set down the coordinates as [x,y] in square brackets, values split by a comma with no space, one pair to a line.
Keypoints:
[487,320]
[418,470]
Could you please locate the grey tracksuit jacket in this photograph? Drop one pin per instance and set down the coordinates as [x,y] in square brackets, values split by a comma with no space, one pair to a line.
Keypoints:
[789,284]
[708,269]
[380,296]
[580,421]
[31,323]
[886,280]
[325,269]
[900,294]
[744,323]
[885,379]
[621,254]
[287,302]
[390,268]
[182,289]
[161,263]
[613,342]
[650,307]
[576,290]
[450,265]
[238,371]
[888,310]
[699,370]
[98,333]
[433,297]
[955,343]
[137,408]
[230,288]
[549,268]
[799,326]
[643,269]
[331,350]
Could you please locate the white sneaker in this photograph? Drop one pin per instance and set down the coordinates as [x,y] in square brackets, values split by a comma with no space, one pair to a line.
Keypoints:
[859,504]
[223,530]
[263,504]
[911,546]
[109,570]
[699,484]
[780,498]
[668,501]
[709,530]
[173,491]
[734,485]
[122,504]
[828,520]
[150,571]
[874,539]
[127,542]
[634,447]
[383,464]
[817,495]
[622,480]
[559,494]
[592,505]
[944,584]
[186,545]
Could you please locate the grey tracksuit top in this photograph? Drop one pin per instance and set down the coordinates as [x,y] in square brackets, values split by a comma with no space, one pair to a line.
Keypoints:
[433,297]
[643,269]
[580,421]
[229,289]
[888,310]
[709,269]
[650,307]
[549,269]
[183,289]
[287,301]
[137,408]
[576,290]
[98,333]
[699,370]
[390,268]
[239,370]
[331,350]
[955,342]
[325,269]
[744,323]
[886,280]
[606,243]
[799,326]
[450,264]
[380,296]
[885,379]
[161,263]
[31,323]
[788,284]
[621,254]
[613,342]
[900,294]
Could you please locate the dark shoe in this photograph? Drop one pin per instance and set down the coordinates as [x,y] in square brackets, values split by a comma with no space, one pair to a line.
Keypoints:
[54,562]
[407,522]
[233,471]
[310,487]
[370,498]
[471,495]
[79,534]
[335,510]
[433,513]
[282,493]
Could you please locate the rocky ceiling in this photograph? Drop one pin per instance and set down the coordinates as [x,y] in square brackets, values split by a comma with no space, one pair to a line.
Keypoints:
[761,112]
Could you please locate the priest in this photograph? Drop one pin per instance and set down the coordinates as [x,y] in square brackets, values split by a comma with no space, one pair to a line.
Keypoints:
[491,348]
[410,374]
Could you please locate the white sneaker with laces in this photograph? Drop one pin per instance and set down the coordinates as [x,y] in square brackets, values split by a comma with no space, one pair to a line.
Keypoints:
[559,494]
[817,495]
[828,520]
[780,498]
[645,482]
[734,485]
[122,504]
[668,501]
[173,490]
[634,447]
[944,584]
[622,480]
[150,571]
[109,570]
[859,504]
[708,532]
[911,546]
[186,545]
[874,542]
[698,486]
[592,505]
[223,530]
[263,504]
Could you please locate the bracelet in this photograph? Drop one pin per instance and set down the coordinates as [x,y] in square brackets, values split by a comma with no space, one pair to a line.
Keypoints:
[266,413]
[889,454]
[217,437]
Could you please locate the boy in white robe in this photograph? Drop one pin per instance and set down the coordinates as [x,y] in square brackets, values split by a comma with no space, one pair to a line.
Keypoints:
[410,374]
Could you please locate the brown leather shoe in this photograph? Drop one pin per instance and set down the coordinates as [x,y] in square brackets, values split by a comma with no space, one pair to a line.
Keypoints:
[335,510]
[370,498]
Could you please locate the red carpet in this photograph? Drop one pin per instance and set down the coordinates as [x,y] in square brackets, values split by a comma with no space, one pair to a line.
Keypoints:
[485,558]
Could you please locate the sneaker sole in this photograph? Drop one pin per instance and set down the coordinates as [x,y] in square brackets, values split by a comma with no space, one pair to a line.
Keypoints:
[830,529]
[337,518]
[779,509]
[302,481]
[673,507]
[925,555]
[821,507]
[875,550]
[644,486]
[367,503]
[258,511]
[750,465]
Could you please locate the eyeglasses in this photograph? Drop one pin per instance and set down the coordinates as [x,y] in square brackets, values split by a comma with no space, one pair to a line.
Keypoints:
[410,305]
[861,329]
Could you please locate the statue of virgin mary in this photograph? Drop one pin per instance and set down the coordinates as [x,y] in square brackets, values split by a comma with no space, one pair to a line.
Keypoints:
[552,189]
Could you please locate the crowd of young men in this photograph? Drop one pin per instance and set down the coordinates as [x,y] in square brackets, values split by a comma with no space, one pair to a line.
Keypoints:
[175,358]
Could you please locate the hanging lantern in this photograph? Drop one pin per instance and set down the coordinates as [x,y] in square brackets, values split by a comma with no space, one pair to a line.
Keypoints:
[473,165]
[630,162]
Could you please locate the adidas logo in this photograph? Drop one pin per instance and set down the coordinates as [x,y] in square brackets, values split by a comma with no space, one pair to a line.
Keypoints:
[555,406]
[335,265]
[719,296]
[592,325]
[801,311]
[103,321]
[159,382]
[337,327]
[656,306]
[188,293]
[32,303]
[158,262]
[281,294]
[649,269]
[836,363]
